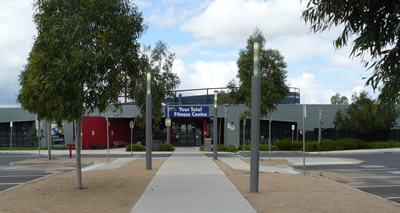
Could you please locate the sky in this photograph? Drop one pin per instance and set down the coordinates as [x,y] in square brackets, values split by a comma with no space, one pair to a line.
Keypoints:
[206,36]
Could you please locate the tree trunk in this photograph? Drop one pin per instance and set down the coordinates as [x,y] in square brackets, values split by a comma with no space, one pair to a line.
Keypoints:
[78,154]
[50,139]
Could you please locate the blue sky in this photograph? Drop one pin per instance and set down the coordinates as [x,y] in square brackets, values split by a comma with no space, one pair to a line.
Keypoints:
[206,36]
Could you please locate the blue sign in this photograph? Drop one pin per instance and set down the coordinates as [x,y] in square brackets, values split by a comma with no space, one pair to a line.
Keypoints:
[187,111]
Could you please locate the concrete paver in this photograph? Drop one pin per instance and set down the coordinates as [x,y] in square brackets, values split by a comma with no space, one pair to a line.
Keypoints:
[237,163]
[191,185]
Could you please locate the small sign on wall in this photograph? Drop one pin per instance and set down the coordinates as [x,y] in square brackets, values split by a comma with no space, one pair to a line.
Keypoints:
[92,132]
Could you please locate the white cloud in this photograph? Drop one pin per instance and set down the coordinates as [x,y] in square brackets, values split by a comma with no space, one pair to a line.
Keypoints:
[143,4]
[16,38]
[181,50]
[205,74]
[165,19]
[232,21]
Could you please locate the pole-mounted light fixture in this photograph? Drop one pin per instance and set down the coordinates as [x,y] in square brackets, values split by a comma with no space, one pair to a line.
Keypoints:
[148,83]
[215,98]
[256,58]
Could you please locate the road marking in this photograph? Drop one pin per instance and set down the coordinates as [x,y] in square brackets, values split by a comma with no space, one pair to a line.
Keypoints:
[372,166]
[394,172]
[354,169]
[56,173]
[391,198]
[2,176]
[366,177]
[10,184]
[376,186]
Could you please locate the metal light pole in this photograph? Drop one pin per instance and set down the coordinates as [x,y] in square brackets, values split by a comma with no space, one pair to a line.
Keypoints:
[226,125]
[131,126]
[269,136]
[148,123]
[11,127]
[319,125]
[108,139]
[244,134]
[37,125]
[215,124]
[255,118]
[168,128]
[304,140]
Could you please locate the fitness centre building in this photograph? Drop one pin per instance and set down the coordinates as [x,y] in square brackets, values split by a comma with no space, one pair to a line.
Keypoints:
[191,122]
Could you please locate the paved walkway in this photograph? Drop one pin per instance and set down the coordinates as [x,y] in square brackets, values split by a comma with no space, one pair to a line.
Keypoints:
[191,185]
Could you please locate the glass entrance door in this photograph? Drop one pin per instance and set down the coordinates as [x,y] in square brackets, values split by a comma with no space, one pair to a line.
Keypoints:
[187,133]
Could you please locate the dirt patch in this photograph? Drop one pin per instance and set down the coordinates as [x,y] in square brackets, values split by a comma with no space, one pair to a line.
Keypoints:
[272,162]
[114,190]
[297,193]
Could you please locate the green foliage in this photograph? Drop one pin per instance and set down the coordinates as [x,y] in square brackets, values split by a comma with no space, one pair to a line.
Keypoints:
[272,73]
[231,148]
[284,144]
[167,147]
[159,62]
[312,146]
[32,135]
[78,57]
[135,148]
[327,145]
[247,147]
[337,99]
[201,148]
[265,147]
[98,146]
[366,117]
[297,146]
[383,144]
[375,26]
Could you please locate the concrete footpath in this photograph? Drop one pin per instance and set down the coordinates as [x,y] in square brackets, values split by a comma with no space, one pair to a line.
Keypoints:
[191,185]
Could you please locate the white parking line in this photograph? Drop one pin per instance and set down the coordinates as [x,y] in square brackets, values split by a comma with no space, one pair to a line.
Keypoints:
[21,176]
[391,198]
[10,184]
[376,186]
[21,184]
[373,177]
[352,169]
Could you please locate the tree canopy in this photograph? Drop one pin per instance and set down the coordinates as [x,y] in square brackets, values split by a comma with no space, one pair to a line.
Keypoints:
[272,73]
[159,62]
[375,26]
[78,58]
[366,118]
[337,99]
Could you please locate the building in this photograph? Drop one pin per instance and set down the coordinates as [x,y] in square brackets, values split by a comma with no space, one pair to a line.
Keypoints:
[191,122]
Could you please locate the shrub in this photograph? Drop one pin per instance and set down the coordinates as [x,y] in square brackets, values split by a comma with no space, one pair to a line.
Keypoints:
[247,147]
[297,146]
[379,145]
[167,147]
[350,143]
[327,145]
[230,148]
[201,148]
[284,144]
[312,146]
[265,147]
[135,148]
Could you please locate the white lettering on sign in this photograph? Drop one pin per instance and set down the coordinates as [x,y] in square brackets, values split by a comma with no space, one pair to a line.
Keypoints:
[181,109]
[196,109]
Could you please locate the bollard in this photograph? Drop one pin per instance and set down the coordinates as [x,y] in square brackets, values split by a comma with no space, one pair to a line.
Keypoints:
[70,151]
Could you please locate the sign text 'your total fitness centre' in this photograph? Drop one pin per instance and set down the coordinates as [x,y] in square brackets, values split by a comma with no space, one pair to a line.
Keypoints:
[188,111]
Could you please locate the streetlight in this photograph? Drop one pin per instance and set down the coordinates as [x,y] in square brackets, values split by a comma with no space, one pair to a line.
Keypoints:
[215,124]
[148,122]
[226,125]
[255,118]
